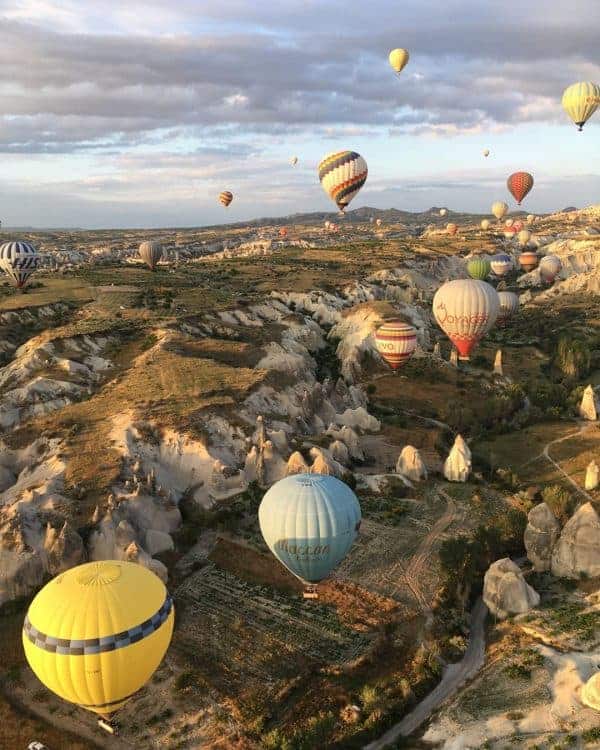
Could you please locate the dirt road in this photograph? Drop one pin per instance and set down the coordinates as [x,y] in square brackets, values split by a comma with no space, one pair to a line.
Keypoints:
[455,676]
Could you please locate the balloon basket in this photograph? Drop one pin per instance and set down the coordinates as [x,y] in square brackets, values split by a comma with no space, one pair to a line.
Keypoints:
[463,359]
[108,726]
[310,592]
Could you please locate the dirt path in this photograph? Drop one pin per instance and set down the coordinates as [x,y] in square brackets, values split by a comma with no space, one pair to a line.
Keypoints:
[415,570]
[455,676]
[546,454]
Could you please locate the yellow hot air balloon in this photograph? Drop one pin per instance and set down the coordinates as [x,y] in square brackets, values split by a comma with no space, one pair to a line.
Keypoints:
[499,209]
[342,174]
[580,101]
[485,224]
[95,634]
[486,152]
[398,59]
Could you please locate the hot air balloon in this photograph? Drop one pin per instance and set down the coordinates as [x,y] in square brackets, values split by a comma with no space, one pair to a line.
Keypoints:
[465,309]
[523,237]
[518,225]
[379,222]
[509,304]
[519,184]
[443,211]
[396,341]
[528,260]
[510,233]
[327,224]
[294,161]
[580,101]
[499,209]
[342,174]
[398,59]
[479,268]
[95,634]
[501,264]
[225,198]
[509,222]
[18,260]
[283,232]
[485,224]
[151,252]
[530,218]
[451,228]
[309,522]
[550,267]
[486,152]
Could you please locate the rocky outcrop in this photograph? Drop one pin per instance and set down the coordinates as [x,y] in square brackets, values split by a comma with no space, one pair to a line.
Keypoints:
[498,369]
[577,552]
[296,464]
[541,535]
[457,467]
[592,476]
[588,407]
[410,464]
[505,590]
[64,549]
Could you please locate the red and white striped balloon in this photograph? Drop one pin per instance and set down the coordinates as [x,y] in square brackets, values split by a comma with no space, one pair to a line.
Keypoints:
[396,341]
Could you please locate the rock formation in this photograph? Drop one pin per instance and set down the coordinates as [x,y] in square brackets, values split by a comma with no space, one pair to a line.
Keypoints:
[458,464]
[498,363]
[592,476]
[577,552]
[437,350]
[540,536]
[505,590]
[454,357]
[410,464]
[587,408]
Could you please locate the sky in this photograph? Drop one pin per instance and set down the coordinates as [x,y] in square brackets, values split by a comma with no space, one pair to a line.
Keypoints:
[137,114]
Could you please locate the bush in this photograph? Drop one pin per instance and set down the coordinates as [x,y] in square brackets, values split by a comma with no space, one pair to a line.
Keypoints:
[560,501]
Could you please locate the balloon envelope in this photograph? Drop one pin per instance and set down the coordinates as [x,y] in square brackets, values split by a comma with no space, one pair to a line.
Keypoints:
[294,161]
[550,267]
[342,174]
[95,634]
[524,236]
[528,260]
[485,224]
[18,260]
[451,228]
[479,268]
[580,101]
[499,209]
[486,152]
[509,304]
[309,522]
[398,58]
[225,198]
[465,309]
[151,253]
[519,184]
[396,341]
[501,264]
[443,211]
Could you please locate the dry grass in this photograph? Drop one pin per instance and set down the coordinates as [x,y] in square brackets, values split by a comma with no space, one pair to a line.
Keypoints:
[54,289]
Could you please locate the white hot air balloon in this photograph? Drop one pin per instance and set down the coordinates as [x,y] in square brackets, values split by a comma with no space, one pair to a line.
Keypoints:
[550,266]
[486,152]
[294,161]
[509,304]
[530,218]
[502,264]
[465,309]
[443,211]
[523,237]
[509,222]
[499,209]
[485,224]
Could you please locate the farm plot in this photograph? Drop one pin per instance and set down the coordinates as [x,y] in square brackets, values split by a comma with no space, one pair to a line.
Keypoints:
[239,635]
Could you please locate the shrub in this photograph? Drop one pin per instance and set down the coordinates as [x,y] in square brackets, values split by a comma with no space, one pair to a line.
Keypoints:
[560,501]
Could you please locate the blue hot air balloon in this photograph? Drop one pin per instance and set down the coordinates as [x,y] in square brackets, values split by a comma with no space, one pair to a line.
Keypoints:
[309,522]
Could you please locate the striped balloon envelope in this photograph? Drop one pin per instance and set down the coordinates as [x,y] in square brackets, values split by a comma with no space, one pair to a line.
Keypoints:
[225,198]
[151,252]
[502,264]
[479,268]
[18,260]
[396,341]
[550,267]
[519,184]
[580,101]
[342,174]
[509,304]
